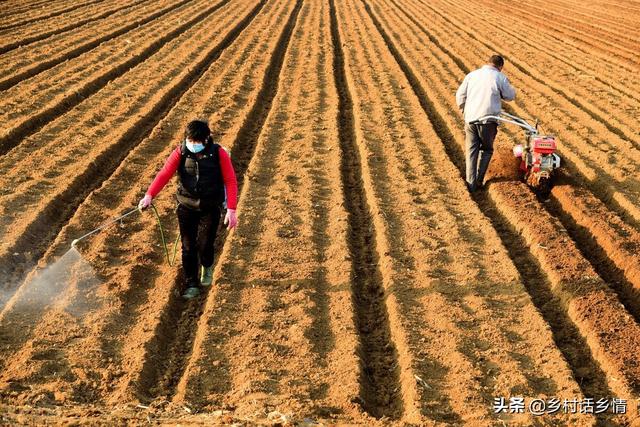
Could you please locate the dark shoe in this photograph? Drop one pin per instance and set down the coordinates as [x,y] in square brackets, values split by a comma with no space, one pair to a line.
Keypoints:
[191,292]
[206,278]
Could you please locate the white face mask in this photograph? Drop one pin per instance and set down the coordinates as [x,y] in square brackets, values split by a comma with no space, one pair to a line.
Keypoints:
[194,147]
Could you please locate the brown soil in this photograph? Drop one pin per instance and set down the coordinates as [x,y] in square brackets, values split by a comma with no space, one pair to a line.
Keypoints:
[26,33]
[364,284]
[22,12]
[504,165]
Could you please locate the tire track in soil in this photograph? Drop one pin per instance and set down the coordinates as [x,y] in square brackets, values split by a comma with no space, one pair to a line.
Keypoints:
[380,372]
[549,301]
[37,120]
[30,20]
[8,47]
[40,66]
[589,173]
[137,295]
[57,212]
[161,379]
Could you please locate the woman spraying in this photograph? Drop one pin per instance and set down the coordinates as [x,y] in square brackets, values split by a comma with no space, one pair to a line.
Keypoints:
[205,172]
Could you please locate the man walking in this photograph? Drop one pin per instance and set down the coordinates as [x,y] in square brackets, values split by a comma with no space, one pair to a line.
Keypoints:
[479,95]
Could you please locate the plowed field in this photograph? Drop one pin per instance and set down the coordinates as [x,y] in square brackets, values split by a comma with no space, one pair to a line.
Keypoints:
[363,284]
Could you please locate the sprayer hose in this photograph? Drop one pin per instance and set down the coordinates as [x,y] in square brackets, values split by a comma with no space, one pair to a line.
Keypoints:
[164,242]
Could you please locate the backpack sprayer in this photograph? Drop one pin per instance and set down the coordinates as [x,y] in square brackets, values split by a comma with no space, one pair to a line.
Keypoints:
[537,154]
[171,260]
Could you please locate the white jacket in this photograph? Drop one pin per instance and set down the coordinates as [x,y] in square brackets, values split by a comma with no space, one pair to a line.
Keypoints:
[481,93]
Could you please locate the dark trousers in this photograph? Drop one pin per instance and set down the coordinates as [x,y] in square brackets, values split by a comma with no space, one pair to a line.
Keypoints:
[479,149]
[198,231]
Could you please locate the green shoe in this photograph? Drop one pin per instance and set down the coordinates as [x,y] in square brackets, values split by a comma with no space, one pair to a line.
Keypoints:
[206,278]
[191,292]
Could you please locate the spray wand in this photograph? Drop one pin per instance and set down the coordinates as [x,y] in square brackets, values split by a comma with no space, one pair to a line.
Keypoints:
[164,243]
[106,224]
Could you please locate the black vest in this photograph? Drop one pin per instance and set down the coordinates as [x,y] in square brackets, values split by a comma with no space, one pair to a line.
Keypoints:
[200,183]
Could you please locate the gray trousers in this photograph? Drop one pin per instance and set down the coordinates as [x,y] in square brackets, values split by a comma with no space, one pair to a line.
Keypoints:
[479,149]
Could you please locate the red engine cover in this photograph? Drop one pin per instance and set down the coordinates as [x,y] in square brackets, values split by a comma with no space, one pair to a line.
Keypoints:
[543,144]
